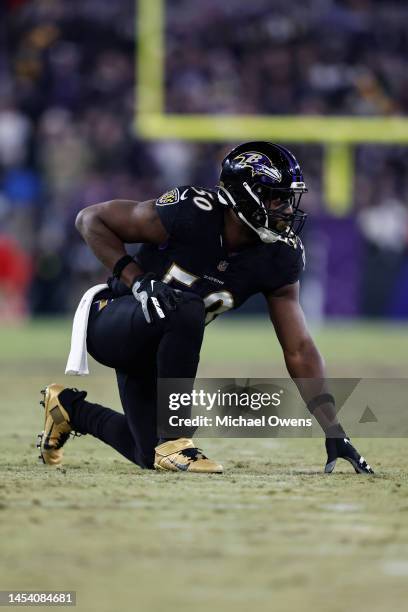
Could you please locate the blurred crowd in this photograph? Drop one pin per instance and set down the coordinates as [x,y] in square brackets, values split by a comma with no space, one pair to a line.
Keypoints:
[67,104]
[277,57]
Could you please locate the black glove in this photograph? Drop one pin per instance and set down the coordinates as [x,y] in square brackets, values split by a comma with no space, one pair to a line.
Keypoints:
[341,448]
[156,297]
[117,287]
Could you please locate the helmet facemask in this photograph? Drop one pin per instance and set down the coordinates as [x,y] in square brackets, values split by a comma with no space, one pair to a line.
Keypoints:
[251,206]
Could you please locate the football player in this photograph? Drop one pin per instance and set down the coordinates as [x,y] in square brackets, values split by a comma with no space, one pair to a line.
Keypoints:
[202,252]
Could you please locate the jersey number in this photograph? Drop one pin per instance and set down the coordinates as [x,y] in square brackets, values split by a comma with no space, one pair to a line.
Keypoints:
[201,200]
[215,303]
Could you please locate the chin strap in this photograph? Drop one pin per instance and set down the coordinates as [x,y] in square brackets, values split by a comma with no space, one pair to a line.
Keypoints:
[264,233]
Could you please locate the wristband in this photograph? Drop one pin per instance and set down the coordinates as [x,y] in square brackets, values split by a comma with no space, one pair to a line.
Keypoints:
[319,400]
[121,264]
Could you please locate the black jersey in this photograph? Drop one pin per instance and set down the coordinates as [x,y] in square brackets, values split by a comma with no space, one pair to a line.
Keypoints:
[194,258]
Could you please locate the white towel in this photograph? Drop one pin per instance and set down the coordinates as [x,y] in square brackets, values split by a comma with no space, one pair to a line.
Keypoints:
[77,364]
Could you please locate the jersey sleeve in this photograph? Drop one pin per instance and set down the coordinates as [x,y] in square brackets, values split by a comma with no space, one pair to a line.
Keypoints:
[175,212]
[286,268]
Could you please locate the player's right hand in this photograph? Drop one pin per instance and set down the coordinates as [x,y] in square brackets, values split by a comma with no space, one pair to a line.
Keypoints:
[341,448]
[155,296]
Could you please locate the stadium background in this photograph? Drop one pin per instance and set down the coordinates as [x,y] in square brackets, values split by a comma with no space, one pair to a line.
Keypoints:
[75,129]
[66,132]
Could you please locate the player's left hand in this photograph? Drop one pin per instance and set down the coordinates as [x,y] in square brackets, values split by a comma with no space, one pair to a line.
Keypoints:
[155,296]
[117,287]
[341,448]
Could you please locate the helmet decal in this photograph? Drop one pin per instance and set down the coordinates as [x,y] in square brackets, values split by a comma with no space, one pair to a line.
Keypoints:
[259,164]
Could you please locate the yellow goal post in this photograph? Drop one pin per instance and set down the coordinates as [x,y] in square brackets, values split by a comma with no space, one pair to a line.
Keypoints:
[337,134]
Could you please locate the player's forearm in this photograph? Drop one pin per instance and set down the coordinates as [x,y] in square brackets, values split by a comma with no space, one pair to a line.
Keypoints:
[104,243]
[306,367]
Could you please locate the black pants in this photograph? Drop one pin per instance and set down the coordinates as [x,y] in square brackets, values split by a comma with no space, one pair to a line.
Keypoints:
[119,337]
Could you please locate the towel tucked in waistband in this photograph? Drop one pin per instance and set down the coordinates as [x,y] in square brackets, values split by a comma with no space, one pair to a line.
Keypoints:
[77,364]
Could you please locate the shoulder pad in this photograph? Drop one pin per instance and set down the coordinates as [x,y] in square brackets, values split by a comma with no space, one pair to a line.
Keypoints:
[184,193]
[299,245]
[201,198]
[296,246]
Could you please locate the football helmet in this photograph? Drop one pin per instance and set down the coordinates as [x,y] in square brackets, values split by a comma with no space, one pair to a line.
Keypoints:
[255,173]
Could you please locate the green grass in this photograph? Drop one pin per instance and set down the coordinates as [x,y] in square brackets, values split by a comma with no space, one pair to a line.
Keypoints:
[272,533]
[245,339]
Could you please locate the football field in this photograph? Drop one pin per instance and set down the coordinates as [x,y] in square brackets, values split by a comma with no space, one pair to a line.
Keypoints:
[272,533]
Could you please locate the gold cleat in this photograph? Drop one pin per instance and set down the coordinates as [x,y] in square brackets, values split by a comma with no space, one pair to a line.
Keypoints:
[57,428]
[182,456]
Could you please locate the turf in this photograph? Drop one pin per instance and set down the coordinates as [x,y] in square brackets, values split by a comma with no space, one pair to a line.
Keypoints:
[272,533]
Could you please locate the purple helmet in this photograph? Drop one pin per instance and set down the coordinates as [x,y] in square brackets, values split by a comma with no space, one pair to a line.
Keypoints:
[255,172]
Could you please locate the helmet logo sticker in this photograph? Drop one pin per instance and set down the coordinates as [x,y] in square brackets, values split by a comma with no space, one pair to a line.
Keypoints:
[259,164]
